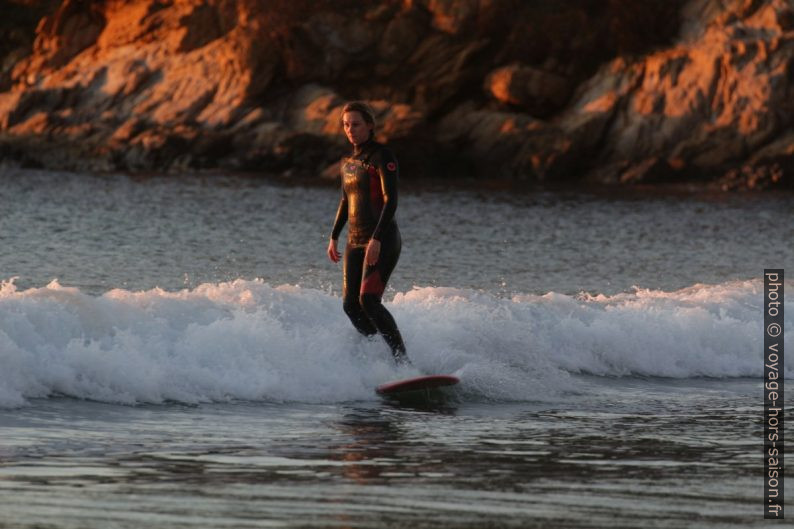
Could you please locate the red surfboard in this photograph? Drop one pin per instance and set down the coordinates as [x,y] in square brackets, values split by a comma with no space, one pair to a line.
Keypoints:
[416,384]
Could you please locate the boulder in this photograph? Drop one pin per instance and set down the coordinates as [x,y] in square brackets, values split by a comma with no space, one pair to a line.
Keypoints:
[538,92]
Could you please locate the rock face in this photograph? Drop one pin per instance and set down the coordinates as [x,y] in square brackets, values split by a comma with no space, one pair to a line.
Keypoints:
[618,91]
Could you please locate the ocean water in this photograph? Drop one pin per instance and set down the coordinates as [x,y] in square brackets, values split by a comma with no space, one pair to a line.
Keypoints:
[173,353]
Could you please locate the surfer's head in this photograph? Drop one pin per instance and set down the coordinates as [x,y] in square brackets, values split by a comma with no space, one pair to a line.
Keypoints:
[358,122]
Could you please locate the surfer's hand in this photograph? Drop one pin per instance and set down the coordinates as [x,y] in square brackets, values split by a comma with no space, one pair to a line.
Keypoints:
[373,251]
[333,253]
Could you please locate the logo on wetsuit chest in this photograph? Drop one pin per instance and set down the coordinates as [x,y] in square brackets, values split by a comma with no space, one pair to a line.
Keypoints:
[350,170]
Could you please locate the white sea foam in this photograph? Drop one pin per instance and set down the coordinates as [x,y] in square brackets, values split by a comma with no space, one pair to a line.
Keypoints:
[250,340]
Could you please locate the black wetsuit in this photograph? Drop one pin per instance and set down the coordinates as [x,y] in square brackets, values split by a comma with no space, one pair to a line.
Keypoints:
[369,201]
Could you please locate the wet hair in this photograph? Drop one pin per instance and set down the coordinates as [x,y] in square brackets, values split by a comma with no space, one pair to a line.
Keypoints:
[362,108]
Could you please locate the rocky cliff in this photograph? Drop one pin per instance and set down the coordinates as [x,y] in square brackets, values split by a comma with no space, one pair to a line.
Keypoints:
[615,91]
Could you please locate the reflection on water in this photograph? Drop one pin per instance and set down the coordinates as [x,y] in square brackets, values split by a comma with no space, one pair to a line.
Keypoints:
[628,455]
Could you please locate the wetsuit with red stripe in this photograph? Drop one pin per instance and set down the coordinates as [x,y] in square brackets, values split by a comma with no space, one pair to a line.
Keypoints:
[368,204]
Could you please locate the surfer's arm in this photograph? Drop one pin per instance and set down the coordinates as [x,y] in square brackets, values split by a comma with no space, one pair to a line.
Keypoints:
[341,216]
[387,167]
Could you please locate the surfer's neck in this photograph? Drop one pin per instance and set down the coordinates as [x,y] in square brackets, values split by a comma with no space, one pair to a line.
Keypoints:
[361,147]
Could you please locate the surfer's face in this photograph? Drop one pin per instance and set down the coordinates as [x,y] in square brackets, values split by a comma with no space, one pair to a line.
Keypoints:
[356,129]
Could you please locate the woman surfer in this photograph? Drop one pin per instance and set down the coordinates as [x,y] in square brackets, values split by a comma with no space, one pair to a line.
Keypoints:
[368,203]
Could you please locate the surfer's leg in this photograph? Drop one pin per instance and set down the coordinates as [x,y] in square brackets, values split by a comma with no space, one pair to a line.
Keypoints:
[372,287]
[385,324]
[351,284]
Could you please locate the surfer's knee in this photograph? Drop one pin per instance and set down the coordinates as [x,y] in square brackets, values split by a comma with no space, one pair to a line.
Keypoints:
[358,317]
[369,302]
[351,306]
